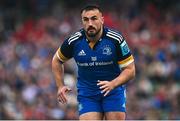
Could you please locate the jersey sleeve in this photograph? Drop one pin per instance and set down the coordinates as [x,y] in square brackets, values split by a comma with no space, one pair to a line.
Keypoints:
[124,54]
[65,51]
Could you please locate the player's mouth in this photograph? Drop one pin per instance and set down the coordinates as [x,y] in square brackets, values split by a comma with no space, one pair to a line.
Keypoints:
[91,29]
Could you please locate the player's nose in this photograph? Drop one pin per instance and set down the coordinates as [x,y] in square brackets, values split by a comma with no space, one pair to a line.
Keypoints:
[90,23]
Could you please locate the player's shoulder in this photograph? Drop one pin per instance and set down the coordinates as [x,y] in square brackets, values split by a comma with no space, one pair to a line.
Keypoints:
[113,35]
[75,36]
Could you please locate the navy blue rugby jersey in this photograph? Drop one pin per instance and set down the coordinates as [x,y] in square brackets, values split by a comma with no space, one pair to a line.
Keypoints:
[102,62]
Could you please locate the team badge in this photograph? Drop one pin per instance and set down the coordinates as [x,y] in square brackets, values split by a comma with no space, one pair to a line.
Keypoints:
[107,50]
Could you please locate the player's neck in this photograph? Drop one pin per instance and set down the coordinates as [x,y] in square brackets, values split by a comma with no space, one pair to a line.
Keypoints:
[94,40]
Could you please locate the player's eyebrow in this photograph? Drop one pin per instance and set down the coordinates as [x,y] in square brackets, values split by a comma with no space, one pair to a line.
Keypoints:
[92,17]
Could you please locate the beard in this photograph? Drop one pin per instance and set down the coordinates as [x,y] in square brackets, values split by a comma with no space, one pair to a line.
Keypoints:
[92,32]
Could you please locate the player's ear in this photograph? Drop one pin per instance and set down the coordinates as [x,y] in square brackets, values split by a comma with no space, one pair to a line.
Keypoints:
[102,20]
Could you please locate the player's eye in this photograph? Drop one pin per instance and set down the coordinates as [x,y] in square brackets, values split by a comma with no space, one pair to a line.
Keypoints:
[94,18]
[85,19]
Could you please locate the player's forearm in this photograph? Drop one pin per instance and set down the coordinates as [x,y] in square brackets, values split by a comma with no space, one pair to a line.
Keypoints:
[58,71]
[127,74]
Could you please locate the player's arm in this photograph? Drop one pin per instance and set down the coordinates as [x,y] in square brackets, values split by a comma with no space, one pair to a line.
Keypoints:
[58,70]
[61,56]
[126,63]
[128,73]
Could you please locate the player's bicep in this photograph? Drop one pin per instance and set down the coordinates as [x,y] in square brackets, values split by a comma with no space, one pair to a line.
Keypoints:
[64,52]
[58,55]
[124,55]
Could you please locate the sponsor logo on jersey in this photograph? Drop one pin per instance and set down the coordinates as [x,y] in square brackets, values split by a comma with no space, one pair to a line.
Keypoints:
[81,53]
[94,58]
[125,49]
[124,105]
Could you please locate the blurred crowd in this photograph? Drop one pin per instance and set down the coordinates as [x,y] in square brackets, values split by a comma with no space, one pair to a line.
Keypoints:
[32,30]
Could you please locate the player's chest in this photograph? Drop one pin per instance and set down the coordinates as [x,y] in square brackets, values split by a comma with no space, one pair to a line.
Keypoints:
[102,52]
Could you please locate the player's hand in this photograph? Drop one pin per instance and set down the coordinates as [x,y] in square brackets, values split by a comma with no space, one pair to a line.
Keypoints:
[61,95]
[105,86]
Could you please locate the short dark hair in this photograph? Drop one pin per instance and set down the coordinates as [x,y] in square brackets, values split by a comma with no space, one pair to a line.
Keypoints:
[91,7]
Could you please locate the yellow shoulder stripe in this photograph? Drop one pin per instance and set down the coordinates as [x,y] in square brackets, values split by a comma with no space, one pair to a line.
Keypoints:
[130,58]
[63,58]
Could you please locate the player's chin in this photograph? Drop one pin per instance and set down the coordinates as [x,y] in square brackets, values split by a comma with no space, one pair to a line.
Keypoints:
[91,33]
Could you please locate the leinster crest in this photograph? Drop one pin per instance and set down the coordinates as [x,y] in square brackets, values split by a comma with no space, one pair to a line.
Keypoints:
[107,50]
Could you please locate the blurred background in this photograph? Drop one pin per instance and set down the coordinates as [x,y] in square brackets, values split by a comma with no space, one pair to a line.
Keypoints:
[32,30]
